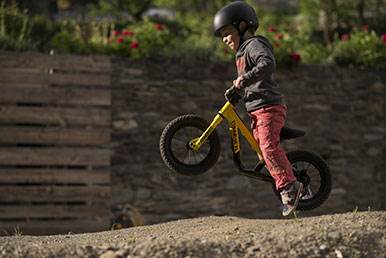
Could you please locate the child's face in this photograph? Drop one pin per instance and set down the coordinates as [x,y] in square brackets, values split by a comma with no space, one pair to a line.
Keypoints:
[230,36]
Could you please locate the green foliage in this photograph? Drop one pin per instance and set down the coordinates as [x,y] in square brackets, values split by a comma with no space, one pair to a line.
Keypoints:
[118,8]
[361,48]
[42,31]
[196,7]
[145,39]
[295,37]
[13,27]
[9,43]
[314,53]
[330,16]
[64,42]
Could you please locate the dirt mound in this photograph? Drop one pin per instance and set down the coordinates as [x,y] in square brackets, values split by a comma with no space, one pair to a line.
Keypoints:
[356,234]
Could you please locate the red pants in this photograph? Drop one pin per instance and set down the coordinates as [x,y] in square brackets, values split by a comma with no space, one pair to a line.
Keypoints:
[267,123]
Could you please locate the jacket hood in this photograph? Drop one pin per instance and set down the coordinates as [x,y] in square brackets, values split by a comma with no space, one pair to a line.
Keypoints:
[261,39]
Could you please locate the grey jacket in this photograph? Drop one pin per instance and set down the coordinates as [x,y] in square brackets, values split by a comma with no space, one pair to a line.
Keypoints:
[255,64]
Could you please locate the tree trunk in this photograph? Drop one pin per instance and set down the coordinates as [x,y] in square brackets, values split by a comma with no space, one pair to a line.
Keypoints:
[327,9]
[361,9]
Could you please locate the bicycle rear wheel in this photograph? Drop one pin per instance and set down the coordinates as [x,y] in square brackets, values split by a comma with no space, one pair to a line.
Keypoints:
[310,169]
[176,152]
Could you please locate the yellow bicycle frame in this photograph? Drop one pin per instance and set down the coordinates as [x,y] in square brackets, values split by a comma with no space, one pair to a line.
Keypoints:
[235,124]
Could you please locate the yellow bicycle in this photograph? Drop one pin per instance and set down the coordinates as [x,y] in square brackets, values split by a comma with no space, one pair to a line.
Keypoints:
[190,146]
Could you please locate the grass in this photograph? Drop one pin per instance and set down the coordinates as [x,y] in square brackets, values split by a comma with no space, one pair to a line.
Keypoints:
[17,231]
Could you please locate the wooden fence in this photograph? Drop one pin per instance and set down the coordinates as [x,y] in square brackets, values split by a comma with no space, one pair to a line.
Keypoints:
[55,114]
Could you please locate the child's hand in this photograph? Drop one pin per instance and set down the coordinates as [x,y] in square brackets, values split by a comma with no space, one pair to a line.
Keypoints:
[237,82]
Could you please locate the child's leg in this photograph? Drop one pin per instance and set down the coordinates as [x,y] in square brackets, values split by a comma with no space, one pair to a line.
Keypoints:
[267,124]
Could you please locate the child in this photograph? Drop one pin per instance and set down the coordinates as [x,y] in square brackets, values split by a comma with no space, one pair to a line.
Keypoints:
[236,24]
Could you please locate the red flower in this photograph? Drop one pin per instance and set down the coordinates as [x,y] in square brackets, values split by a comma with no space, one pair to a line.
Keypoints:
[295,57]
[116,33]
[134,44]
[159,26]
[276,44]
[383,38]
[120,40]
[279,36]
[272,29]
[128,33]
[345,37]
[365,27]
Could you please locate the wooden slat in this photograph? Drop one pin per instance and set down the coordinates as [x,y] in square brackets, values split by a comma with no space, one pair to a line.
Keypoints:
[29,85]
[21,77]
[55,227]
[55,116]
[66,96]
[26,193]
[16,70]
[55,156]
[92,80]
[54,135]
[53,211]
[54,176]
[62,62]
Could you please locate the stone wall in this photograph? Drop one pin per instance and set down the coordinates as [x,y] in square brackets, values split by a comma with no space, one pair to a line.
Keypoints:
[341,109]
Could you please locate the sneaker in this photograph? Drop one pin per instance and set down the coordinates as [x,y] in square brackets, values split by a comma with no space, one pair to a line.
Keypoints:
[290,196]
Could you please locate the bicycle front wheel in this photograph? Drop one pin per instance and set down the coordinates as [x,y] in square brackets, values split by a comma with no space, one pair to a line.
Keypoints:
[176,151]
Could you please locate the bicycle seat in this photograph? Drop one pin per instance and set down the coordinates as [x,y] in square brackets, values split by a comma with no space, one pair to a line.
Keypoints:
[290,133]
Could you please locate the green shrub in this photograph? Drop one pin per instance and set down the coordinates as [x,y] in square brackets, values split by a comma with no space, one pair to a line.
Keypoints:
[13,28]
[286,46]
[65,42]
[142,40]
[314,53]
[360,48]
[9,43]
[41,31]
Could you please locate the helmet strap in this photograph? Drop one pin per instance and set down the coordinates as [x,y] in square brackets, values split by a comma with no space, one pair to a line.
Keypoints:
[241,33]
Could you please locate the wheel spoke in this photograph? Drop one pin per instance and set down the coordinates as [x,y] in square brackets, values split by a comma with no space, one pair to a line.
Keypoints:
[177,139]
[201,155]
[309,193]
[180,147]
[309,164]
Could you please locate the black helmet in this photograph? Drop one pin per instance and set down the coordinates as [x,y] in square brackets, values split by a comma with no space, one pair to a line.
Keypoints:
[233,14]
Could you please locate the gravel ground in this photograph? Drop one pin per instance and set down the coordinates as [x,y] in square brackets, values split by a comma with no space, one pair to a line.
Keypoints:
[355,234]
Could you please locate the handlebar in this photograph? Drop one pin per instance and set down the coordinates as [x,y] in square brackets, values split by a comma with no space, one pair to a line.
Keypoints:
[232,95]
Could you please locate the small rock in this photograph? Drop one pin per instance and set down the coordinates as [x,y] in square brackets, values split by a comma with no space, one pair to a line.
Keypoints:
[88,247]
[334,235]
[338,253]
[323,247]
[377,86]
[109,254]
[120,253]
[254,249]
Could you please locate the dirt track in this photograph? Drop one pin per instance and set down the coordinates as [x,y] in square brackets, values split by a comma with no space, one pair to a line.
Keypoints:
[355,234]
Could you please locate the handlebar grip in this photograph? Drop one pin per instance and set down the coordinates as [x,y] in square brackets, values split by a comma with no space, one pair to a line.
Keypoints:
[232,95]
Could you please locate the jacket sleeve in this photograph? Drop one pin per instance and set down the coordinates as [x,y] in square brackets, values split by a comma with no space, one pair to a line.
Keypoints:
[263,65]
